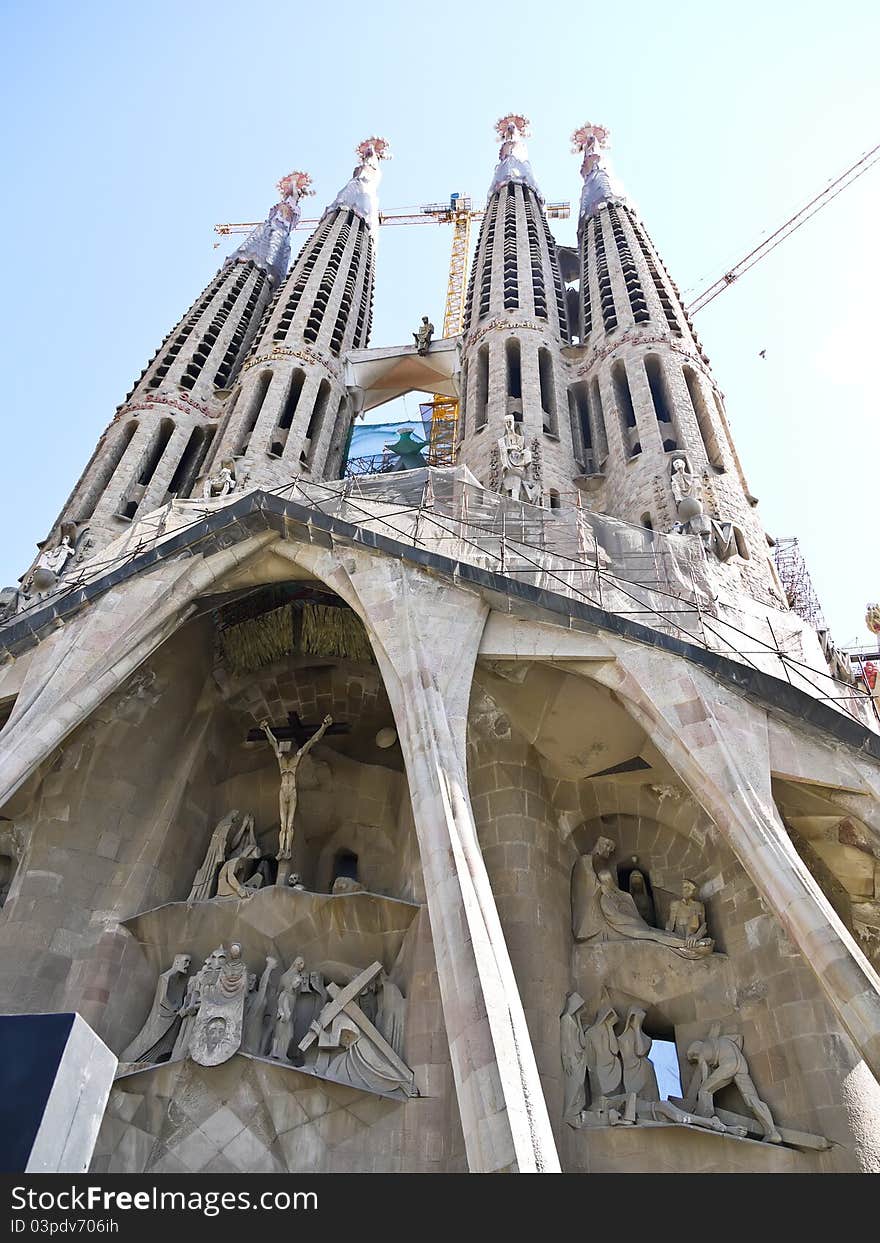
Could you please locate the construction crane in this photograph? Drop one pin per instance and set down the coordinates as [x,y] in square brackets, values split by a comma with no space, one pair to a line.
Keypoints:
[459,212]
[831,191]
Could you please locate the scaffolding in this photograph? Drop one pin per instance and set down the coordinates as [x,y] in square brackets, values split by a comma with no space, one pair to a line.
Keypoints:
[796,582]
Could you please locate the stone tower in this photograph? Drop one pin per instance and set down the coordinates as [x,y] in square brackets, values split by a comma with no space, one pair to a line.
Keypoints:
[289,415]
[160,436]
[428,821]
[642,395]
[515,328]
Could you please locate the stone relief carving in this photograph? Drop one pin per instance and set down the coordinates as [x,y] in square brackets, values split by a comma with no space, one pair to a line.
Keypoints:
[602,911]
[218,1028]
[156,1039]
[344,1045]
[515,461]
[300,996]
[203,979]
[724,539]
[719,1061]
[639,1076]
[573,1048]
[221,484]
[288,764]
[232,839]
[623,1082]
[255,1031]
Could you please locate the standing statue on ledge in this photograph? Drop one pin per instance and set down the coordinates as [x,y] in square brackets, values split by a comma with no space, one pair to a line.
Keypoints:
[515,459]
[573,1049]
[423,337]
[288,764]
[155,1041]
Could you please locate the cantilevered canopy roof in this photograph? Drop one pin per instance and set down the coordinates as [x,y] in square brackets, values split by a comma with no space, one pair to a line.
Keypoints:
[377,376]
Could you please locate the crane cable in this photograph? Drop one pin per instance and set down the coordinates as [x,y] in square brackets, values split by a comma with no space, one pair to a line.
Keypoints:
[794,222]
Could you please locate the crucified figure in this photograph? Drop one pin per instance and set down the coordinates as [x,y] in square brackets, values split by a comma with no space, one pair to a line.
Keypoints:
[288,765]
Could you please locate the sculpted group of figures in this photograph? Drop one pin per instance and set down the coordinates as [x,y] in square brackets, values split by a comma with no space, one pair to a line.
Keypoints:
[602,911]
[614,1061]
[351,1034]
[234,866]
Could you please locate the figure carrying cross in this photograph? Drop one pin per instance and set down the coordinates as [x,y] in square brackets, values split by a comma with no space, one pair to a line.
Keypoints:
[288,765]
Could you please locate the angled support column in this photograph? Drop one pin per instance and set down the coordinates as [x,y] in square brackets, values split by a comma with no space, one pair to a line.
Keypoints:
[425,637]
[718,743]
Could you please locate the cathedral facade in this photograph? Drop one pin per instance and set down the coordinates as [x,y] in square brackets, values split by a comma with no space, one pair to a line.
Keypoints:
[493,817]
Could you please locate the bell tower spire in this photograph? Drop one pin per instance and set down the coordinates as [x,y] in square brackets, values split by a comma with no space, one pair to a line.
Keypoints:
[290,413]
[515,328]
[159,438]
[645,404]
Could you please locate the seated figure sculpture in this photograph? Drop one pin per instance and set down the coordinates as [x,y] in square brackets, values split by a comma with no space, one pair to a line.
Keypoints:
[602,911]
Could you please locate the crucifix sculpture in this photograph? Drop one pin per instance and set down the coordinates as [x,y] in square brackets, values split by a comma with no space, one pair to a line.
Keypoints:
[288,764]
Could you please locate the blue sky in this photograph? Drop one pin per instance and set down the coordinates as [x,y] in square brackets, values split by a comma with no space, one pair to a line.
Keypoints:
[132,129]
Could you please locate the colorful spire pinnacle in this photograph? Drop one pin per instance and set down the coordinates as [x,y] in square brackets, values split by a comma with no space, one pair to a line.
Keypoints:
[600,184]
[268,245]
[513,158]
[360,193]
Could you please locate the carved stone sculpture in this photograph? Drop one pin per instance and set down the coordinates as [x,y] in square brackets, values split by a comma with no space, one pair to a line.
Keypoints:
[719,1061]
[687,916]
[638,889]
[155,1041]
[391,1014]
[232,838]
[222,483]
[586,918]
[515,462]
[288,765]
[623,922]
[603,1055]
[573,1049]
[207,974]
[294,981]
[346,884]
[724,539]
[342,1044]
[423,337]
[254,1034]
[229,882]
[634,1045]
[602,911]
[217,1031]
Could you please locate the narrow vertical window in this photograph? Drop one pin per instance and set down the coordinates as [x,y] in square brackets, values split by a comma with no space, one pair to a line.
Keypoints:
[107,470]
[290,402]
[258,397]
[704,419]
[482,411]
[662,403]
[597,423]
[548,391]
[316,423]
[626,410]
[156,450]
[513,362]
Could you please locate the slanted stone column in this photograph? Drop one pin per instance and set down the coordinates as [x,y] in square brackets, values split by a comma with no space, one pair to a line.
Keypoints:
[425,638]
[719,745]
